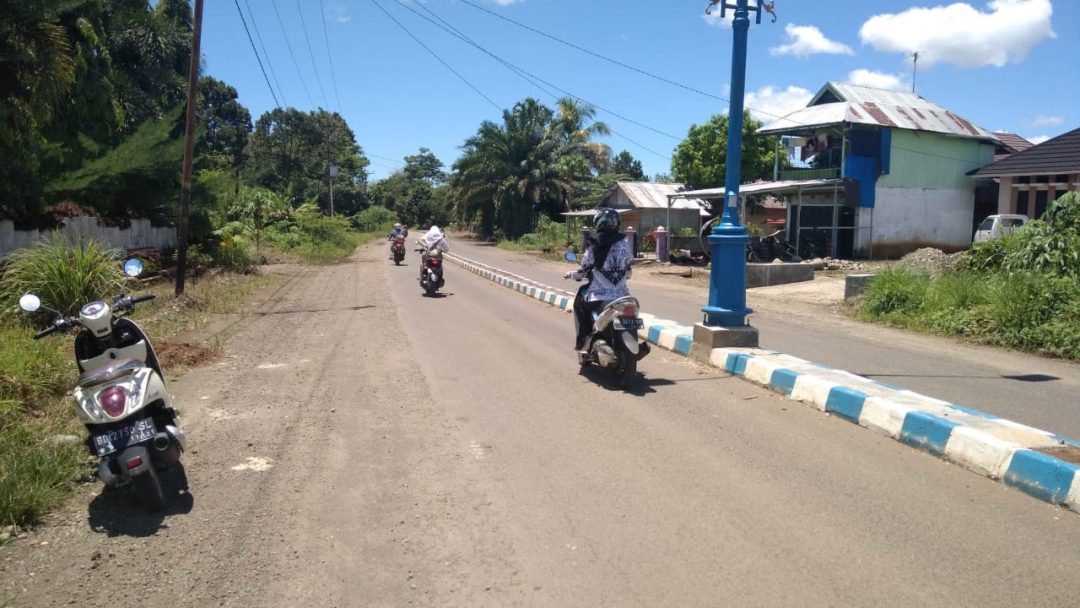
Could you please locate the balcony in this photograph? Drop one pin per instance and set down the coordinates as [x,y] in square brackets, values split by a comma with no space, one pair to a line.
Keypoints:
[807,174]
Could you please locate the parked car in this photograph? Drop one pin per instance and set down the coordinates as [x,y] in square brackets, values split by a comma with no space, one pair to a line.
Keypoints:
[997,226]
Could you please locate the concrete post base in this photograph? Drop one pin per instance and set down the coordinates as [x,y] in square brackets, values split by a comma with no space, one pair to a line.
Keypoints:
[707,337]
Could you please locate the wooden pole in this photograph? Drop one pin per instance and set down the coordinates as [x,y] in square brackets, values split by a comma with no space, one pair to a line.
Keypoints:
[189,151]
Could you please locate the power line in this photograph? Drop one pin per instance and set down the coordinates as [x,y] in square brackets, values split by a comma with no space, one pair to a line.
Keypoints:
[392,160]
[593,53]
[535,80]
[329,55]
[436,56]
[269,64]
[257,58]
[311,52]
[288,45]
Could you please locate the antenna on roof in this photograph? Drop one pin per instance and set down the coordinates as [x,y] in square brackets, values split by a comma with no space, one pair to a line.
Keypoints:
[914,69]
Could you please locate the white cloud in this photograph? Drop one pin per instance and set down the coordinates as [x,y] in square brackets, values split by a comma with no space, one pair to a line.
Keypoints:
[806,40]
[1038,139]
[962,35]
[338,12]
[768,103]
[1046,121]
[878,80]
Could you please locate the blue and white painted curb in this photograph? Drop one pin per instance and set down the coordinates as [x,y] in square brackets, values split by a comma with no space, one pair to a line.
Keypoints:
[983,443]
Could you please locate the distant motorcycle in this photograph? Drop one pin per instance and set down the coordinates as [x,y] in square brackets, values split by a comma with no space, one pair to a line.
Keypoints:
[397,249]
[613,342]
[120,395]
[431,270]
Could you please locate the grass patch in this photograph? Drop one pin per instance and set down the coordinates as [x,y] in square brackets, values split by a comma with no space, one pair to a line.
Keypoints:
[314,237]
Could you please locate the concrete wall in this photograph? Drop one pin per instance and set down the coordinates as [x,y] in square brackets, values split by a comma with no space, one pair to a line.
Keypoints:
[905,219]
[140,234]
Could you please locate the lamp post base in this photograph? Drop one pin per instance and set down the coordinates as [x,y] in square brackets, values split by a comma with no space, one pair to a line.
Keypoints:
[708,337]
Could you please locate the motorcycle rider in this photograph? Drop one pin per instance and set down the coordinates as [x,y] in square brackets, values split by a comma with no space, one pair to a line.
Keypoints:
[398,231]
[606,265]
[434,238]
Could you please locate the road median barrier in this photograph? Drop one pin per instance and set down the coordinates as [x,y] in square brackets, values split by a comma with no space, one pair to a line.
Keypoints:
[1018,455]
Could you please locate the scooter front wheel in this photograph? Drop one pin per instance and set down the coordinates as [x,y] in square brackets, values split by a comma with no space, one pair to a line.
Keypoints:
[147,488]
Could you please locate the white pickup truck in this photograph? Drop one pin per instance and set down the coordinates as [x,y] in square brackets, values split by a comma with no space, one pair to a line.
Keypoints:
[997,226]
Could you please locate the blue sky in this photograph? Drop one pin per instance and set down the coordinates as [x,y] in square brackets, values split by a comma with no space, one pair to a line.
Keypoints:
[1005,64]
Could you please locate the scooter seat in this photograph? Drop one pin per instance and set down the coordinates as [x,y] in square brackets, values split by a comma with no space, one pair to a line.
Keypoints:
[116,369]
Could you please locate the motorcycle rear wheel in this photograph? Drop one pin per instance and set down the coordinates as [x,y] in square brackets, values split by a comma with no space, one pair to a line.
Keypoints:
[148,489]
[627,371]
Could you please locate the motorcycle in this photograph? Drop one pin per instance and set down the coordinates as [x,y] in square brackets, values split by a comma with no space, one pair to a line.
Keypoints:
[431,271]
[120,395]
[613,342]
[397,248]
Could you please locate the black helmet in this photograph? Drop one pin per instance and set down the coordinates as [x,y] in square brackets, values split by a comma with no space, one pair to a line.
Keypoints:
[606,220]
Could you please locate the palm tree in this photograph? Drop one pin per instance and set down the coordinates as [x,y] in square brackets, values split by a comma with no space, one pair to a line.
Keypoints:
[533,162]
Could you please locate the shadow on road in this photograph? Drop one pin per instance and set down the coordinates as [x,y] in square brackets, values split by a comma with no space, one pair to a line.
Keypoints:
[1016,378]
[311,310]
[118,512]
[640,387]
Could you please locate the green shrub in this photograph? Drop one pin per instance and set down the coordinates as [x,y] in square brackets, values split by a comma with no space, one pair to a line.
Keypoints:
[1044,247]
[685,231]
[64,274]
[988,256]
[374,219]
[235,254]
[895,290]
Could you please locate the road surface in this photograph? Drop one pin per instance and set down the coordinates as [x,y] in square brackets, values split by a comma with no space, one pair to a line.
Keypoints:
[362,445]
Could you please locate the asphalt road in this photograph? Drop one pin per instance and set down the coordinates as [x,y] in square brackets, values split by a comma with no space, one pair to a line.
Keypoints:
[1041,392]
[362,445]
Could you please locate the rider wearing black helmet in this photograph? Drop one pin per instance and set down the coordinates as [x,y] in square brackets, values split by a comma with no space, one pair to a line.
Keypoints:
[606,266]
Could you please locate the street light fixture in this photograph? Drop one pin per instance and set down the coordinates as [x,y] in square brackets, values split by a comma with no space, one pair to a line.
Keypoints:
[333,172]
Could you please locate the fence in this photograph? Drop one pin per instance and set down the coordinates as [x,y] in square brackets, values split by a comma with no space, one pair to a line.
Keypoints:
[140,234]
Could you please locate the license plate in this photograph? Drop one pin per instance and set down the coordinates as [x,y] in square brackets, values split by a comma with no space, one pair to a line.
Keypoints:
[118,439]
[628,323]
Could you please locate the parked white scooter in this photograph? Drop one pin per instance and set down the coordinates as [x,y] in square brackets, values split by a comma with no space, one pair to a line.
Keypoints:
[120,395]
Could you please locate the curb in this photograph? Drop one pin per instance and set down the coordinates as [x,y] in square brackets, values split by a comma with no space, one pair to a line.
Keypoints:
[983,443]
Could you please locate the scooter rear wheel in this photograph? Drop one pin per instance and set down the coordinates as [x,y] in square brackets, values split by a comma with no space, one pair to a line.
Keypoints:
[627,372]
[147,488]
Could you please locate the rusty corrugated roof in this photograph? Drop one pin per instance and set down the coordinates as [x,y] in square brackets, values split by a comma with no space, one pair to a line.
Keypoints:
[652,195]
[838,103]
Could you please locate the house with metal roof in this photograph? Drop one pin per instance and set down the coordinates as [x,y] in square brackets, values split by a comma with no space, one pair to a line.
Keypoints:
[645,205]
[1030,179]
[883,172]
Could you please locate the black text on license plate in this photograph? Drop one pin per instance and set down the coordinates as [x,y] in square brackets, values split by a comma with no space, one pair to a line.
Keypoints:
[117,439]
[628,323]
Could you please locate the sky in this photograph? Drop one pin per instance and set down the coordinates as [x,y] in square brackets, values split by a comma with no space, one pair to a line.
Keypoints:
[1006,65]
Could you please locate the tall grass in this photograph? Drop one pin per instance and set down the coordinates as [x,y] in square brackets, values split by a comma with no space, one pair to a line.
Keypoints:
[64,273]
[314,236]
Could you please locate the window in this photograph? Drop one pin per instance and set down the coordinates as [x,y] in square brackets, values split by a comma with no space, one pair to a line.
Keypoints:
[1010,222]
[986,224]
[1040,203]
[1022,202]
[1061,179]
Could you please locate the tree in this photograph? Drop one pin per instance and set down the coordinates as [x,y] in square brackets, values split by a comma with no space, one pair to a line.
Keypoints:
[290,152]
[226,125]
[424,166]
[257,207]
[700,160]
[626,164]
[536,161]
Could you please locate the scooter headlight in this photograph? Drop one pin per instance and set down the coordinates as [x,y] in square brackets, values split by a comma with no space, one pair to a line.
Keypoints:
[113,400]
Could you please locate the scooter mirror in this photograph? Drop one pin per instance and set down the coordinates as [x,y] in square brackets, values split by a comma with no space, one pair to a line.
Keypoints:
[29,302]
[570,256]
[133,267]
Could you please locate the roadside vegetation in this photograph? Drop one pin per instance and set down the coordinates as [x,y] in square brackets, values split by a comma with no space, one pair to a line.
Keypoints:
[1021,291]
[38,472]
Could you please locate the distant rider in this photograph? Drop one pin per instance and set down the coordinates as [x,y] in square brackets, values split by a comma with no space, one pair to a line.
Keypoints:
[606,267]
[399,231]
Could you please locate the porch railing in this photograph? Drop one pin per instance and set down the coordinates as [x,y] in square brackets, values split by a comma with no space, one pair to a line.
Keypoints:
[804,174]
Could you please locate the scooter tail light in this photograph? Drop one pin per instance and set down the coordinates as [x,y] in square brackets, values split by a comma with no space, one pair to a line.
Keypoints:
[113,400]
[435,262]
[629,310]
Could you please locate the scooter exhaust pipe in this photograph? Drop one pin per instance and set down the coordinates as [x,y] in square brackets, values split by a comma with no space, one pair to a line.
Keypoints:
[168,445]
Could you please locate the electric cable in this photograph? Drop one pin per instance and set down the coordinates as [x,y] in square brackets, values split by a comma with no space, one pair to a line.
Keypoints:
[257,58]
[311,52]
[269,64]
[436,56]
[329,55]
[288,45]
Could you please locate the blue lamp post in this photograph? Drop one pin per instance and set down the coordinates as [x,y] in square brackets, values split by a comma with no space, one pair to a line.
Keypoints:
[728,240]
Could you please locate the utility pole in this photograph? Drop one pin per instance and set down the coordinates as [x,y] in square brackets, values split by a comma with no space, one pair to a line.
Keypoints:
[189,151]
[725,315]
[914,69]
